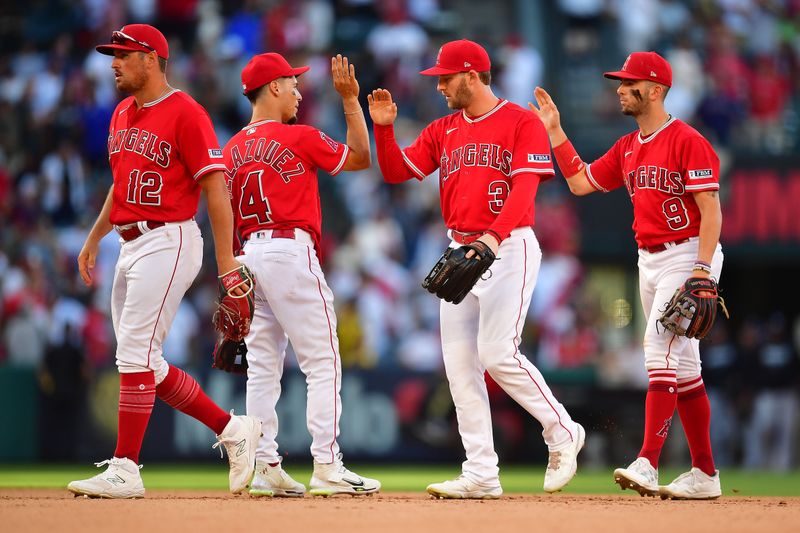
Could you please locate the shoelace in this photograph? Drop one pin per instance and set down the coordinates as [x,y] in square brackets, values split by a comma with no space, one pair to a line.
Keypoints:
[554,461]
[114,461]
[224,442]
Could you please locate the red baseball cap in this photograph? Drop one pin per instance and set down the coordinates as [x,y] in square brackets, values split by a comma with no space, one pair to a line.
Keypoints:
[264,68]
[136,38]
[459,56]
[644,66]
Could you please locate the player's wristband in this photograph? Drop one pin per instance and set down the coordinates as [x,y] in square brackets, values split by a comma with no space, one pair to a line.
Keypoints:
[702,265]
[494,234]
[569,162]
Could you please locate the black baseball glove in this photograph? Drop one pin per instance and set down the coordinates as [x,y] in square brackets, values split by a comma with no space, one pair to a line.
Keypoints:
[689,314]
[230,356]
[454,275]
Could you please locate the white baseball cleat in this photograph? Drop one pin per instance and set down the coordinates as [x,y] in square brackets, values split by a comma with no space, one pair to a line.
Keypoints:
[693,485]
[333,478]
[272,481]
[462,488]
[562,464]
[120,480]
[639,476]
[240,439]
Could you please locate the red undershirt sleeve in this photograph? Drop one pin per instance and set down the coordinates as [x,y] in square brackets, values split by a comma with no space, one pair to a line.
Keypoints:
[516,205]
[390,158]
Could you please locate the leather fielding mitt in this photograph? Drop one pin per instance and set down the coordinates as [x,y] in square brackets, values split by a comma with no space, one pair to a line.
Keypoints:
[230,356]
[454,275]
[689,314]
[235,313]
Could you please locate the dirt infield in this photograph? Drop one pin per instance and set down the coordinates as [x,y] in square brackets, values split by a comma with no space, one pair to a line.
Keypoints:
[195,511]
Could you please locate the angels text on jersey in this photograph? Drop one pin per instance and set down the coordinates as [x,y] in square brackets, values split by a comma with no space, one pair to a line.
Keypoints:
[141,142]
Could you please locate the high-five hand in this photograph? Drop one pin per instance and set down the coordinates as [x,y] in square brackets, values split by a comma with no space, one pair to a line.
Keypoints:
[381,107]
[344,77]
[547,111]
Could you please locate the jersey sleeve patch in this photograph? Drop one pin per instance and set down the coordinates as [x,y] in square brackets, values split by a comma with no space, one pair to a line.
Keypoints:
[538,158]
[701,174]
[215,153]
[333,144]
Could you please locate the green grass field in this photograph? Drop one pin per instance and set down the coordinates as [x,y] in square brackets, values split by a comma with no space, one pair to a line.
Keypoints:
[398,478]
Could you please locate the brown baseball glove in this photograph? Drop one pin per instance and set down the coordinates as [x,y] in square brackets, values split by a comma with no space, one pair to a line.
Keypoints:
[235,313]
[690,314]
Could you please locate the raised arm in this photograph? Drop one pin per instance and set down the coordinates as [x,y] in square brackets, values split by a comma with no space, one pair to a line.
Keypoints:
[383,112]
[568,160]
[346,84]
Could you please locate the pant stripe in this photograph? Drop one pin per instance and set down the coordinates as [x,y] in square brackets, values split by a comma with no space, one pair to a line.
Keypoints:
[516,344]
[161,308]
[333,355]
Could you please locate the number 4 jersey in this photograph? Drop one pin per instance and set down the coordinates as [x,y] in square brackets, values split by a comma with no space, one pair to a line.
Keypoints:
[661,173]
[157,154]
[272,176]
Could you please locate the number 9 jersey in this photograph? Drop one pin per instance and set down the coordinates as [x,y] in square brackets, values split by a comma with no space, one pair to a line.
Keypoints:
[661,172]
[157,153]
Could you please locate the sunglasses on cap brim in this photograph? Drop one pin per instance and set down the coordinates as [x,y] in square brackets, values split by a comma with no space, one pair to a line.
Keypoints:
[119,37]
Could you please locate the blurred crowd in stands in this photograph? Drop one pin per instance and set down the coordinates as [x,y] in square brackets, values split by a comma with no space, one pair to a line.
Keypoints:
[736,67]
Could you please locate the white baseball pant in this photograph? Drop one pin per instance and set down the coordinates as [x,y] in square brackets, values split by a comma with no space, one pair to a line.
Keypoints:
[483,333]
[153,273]
[293,302]
[660,274]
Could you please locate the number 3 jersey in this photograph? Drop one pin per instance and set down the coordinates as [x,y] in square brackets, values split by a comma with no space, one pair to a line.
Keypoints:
[480,160]
[157,154]
[661,173]
[272,176]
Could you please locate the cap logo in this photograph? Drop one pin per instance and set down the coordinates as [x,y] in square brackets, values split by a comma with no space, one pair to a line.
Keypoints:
[467,65]
[439,55]
[653,74]
[625,65]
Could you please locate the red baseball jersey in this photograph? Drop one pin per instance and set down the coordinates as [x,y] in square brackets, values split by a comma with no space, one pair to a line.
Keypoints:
[272,176]
[480,159]
[661,172]
[157,154]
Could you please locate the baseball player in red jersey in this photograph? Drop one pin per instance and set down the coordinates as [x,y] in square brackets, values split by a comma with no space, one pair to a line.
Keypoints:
[272,175]
[163,152]
[672,176]
[491,155]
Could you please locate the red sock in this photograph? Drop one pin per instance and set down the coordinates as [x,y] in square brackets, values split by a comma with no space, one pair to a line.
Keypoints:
[137,394]
[695,412]
[658,410]
[182,392]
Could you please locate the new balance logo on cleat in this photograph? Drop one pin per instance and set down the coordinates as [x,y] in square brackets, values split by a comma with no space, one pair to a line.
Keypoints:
[241,447]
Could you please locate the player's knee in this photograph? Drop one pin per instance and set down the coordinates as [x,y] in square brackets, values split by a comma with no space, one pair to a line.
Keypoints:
[493,354]
[685,376]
